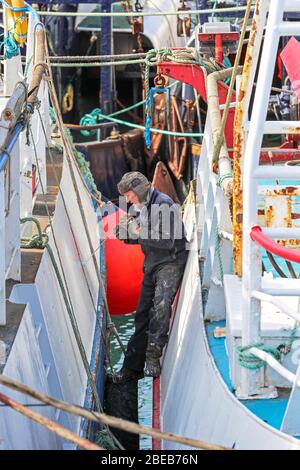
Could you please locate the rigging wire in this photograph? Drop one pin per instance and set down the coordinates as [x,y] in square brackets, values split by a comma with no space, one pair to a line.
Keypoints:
[142,13]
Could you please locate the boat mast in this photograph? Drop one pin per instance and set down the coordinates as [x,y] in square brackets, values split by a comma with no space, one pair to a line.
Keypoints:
[106,49]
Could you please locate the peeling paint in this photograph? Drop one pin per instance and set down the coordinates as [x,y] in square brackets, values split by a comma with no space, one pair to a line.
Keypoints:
[239,144]
[286,191]
[269,213]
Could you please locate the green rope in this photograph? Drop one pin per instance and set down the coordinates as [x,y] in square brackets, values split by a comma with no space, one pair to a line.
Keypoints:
[82,163]
[219,254]
[104,439]
[27,65]
[286,347]
[153,129]
[214,8]
[93,118]
[249,361]
[11,47]
[223,178]
[86,132]
[90,119]
[227,64]
[52,115]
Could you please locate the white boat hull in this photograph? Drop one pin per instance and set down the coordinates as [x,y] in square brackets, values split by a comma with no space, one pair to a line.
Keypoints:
[195,401]
[45,354]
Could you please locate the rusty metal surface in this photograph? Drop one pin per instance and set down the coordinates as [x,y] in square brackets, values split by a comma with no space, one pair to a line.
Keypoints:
[284,191]
[239,144]
[281,209]
[278,155]
[162,181]
[178,146]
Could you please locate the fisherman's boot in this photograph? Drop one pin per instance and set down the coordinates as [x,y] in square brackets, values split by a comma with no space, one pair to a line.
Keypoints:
[124,375]
[152,366]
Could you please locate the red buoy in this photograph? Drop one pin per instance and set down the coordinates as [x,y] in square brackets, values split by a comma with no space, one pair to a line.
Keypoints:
[124,272]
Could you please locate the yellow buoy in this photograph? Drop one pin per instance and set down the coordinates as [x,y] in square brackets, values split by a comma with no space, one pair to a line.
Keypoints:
[17,21]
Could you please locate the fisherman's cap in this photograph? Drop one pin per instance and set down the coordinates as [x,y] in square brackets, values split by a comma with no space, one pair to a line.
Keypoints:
[136,182]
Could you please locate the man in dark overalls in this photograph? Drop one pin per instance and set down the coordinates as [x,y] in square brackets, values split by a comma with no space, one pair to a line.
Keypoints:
[158,228]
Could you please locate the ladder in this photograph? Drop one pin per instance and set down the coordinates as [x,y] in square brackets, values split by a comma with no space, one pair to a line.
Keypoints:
[252,380]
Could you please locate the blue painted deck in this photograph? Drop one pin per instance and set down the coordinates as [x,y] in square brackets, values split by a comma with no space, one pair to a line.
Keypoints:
[270,411]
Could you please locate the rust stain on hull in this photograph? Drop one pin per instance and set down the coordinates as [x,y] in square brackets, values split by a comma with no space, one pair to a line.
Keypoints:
[270,217]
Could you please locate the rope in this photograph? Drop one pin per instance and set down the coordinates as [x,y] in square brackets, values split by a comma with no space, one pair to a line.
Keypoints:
[288,345]
[49,424]
[96,64]
[219,254]
[10,43]
[41,241]
[249,361]
[72,58]
[52,115]
[90,119]
[85,169]
[141,13]
[153,129]
[69,154]
[82,163]
[214,8]
[65,291]
[36,241]
[112,421]
[181,56]
[220,140]
[227,64]
[116,113]
[11,47]
[223,178]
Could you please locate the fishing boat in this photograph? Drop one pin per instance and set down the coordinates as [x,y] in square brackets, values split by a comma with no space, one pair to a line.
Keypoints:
[52,262]
[231,366]
[53,300]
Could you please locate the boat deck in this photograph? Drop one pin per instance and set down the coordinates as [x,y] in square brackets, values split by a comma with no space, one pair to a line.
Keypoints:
[270,411]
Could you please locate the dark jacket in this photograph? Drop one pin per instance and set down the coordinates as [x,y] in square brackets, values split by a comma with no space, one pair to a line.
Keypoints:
[162,235]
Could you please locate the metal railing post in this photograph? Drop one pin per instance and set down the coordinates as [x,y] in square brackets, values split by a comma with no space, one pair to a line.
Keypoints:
[252,380]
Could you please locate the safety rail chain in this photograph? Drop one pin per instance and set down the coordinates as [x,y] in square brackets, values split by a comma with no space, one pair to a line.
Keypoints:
[252,380]
[15,117]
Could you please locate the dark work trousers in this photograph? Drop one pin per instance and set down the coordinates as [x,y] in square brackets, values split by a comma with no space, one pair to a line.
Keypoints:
[152,316]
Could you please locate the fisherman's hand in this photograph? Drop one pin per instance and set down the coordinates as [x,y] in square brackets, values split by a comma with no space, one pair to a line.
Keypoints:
[121,232]
[127,229]
[133,229]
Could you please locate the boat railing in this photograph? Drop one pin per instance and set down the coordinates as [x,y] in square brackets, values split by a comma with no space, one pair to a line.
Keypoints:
[214,229]
[22,142]
[260,236]
[254,237]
